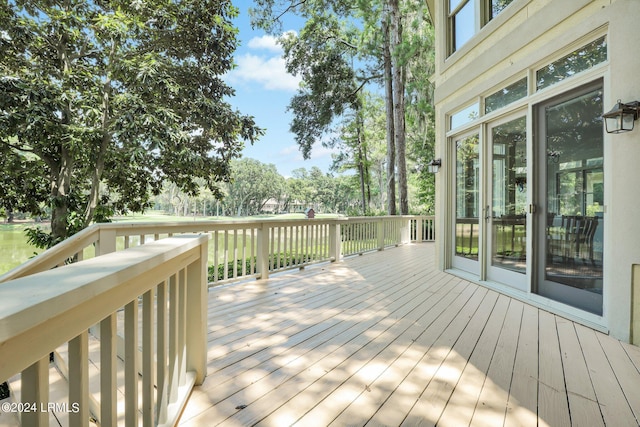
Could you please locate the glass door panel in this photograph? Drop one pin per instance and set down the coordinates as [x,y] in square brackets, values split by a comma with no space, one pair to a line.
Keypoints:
[508,221]
[467,204]
[570,254]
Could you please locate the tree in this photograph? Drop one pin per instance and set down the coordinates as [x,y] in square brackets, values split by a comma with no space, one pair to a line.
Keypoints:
[321,56]
[252,184]
[339,51]
[298,189]
[114,97]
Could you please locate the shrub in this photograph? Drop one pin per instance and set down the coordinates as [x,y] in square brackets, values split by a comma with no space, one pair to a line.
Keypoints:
[276,261]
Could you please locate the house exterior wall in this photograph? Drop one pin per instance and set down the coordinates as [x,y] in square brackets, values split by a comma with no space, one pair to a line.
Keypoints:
[525,36]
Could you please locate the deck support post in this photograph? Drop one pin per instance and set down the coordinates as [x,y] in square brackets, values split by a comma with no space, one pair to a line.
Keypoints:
[196,333]
[335,242]
[262,257]
[419,229]
[380,232]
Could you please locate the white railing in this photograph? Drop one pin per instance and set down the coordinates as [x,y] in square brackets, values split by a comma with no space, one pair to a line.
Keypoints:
[245,249]
[149,294]
[72,295]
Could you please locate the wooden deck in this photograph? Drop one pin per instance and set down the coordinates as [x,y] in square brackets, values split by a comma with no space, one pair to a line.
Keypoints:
[385,339]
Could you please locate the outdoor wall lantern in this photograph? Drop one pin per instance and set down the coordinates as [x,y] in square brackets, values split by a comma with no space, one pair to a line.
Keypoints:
[621,117]
[434,165]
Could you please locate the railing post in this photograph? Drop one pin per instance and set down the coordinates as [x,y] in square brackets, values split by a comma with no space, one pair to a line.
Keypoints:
[380,231]
[35,390]
[405,231]
[262,257]
[106,243]
[335,242]
[196,336]
[419,221]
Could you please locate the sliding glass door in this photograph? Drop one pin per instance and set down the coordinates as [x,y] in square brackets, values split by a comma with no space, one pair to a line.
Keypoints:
[571,195]
[507,216]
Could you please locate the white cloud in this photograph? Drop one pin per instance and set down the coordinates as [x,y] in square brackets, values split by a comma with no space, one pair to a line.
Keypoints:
[318,152]
[266,66]
[265,42]
[268,71]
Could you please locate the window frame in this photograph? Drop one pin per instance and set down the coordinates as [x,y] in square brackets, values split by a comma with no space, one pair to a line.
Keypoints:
[482,16]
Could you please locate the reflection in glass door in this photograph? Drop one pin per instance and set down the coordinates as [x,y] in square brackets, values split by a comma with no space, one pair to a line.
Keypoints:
[508,221]
[571,195]
[467,204]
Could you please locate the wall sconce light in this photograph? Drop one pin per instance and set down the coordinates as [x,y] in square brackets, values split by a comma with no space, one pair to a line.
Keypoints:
[621,117]
[434,165]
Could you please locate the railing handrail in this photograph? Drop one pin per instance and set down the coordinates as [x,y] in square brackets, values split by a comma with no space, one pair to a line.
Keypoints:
[78,285]
[58,254]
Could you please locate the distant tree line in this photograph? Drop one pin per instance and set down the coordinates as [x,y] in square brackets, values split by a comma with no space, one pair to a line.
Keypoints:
[257,188]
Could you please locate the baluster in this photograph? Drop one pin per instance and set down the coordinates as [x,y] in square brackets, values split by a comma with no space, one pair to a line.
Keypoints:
[79,380]
[130,363]
[225,274]
[286,255]
[279,253]
[216,256]
[235,253]
[35,389]
[292,253]
[108,371]
[182,326]
[161,356]
[148,382]
[253,250]
[173,340]
[244,252]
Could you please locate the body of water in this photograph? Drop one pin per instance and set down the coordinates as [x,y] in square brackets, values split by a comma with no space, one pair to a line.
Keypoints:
[14,249]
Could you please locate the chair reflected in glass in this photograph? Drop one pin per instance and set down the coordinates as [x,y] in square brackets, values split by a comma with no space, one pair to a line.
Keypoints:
[571,245]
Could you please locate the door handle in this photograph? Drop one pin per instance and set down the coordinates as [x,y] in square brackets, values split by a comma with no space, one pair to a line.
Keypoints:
[532,208]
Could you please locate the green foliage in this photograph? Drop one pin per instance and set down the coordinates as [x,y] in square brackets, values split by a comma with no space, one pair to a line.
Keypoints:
[23,187]
[251,185]
[322,58]
[338,53]
[113,98]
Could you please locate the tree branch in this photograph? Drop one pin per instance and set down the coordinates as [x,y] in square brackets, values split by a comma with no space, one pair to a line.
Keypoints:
[290,7]
[344,42]
[365,81]
[16,147]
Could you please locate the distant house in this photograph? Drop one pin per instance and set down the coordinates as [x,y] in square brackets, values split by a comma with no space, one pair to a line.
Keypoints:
[534,198]
[272,206]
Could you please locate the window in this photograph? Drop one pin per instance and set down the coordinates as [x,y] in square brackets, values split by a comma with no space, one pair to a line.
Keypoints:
[464,116]
[579,60]
[505,96]
[466,17]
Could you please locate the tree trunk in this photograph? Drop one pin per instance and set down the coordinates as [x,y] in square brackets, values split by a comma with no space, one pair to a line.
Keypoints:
[398,107]
[391,150]
[60,186]
[361,173]
[98,168]
[367,175]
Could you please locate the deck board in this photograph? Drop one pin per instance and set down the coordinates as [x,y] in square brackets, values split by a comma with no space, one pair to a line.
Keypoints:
[385,339]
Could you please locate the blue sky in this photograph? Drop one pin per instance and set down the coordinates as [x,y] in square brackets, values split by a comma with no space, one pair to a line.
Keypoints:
[263,90]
